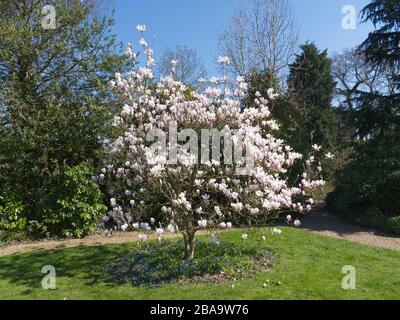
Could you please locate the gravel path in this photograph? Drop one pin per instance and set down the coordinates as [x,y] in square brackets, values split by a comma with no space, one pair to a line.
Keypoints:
[93,240]
[323,222]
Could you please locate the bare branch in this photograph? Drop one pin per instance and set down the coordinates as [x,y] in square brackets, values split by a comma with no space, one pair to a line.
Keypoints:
[189,67]
[261,36]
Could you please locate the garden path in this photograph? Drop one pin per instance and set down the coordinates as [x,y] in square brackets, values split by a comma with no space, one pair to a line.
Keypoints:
[324,222]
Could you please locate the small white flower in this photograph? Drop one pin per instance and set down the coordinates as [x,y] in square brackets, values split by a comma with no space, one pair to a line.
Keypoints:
[152,220]
[229,225]
[143,237]
[136,226]
[297,223]
[202,223]
[263,237]
[271,94]
[171,228]
[289,218]
[160,231]
[124,227]
[144,225]
[276,231]
[329,156]
[218,211]
[316,147]
[224,60]
[245,236]
[143,42]
[222,225]
[141,28]
[214,239]
[113,202]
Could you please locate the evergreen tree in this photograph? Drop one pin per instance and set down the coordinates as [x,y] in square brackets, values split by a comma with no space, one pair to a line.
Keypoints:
[311,87]
[382,45]
[379,112]
[54,102]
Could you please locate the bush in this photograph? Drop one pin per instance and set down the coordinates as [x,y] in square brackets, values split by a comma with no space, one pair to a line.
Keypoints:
[393,225]
[367,188]
[13,222]
[74,205]
[154,264]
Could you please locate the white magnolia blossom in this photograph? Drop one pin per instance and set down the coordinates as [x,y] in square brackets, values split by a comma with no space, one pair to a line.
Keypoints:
[329,156]
[276,231]
[202,223]
[141,28]
[297,223]
[224,61]
[316,147]
[143,237]
[144,176]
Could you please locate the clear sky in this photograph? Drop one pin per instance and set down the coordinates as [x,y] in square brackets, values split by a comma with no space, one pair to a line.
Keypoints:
[195,23]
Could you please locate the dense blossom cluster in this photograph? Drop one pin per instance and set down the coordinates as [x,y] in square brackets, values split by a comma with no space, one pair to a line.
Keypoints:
[193,194]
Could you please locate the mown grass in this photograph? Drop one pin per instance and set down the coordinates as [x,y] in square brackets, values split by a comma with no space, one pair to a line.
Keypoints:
[309,266]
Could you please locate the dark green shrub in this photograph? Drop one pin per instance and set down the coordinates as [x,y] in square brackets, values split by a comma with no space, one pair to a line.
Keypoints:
[393,225]
[368,188]
[74,205]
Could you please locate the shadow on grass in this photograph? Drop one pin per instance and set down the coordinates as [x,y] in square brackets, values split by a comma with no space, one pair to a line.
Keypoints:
[85,265]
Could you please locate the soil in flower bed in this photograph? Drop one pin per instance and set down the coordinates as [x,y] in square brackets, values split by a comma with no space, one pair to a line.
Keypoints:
[155,264]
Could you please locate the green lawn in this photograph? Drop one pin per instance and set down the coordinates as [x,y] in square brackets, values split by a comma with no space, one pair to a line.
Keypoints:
[308,267]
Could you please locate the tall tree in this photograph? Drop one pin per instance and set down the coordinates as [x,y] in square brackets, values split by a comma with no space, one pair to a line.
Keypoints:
[290,119]
[261,37]
[54,103]
[311,87]
[379,112]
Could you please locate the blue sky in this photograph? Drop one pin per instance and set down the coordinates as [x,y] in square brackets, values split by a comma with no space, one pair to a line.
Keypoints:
[195,23]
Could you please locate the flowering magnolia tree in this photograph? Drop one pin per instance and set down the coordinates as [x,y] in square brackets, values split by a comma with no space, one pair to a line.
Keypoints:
[198,157]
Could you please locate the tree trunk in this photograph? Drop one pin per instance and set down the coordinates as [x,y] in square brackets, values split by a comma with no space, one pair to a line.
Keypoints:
[189,246]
